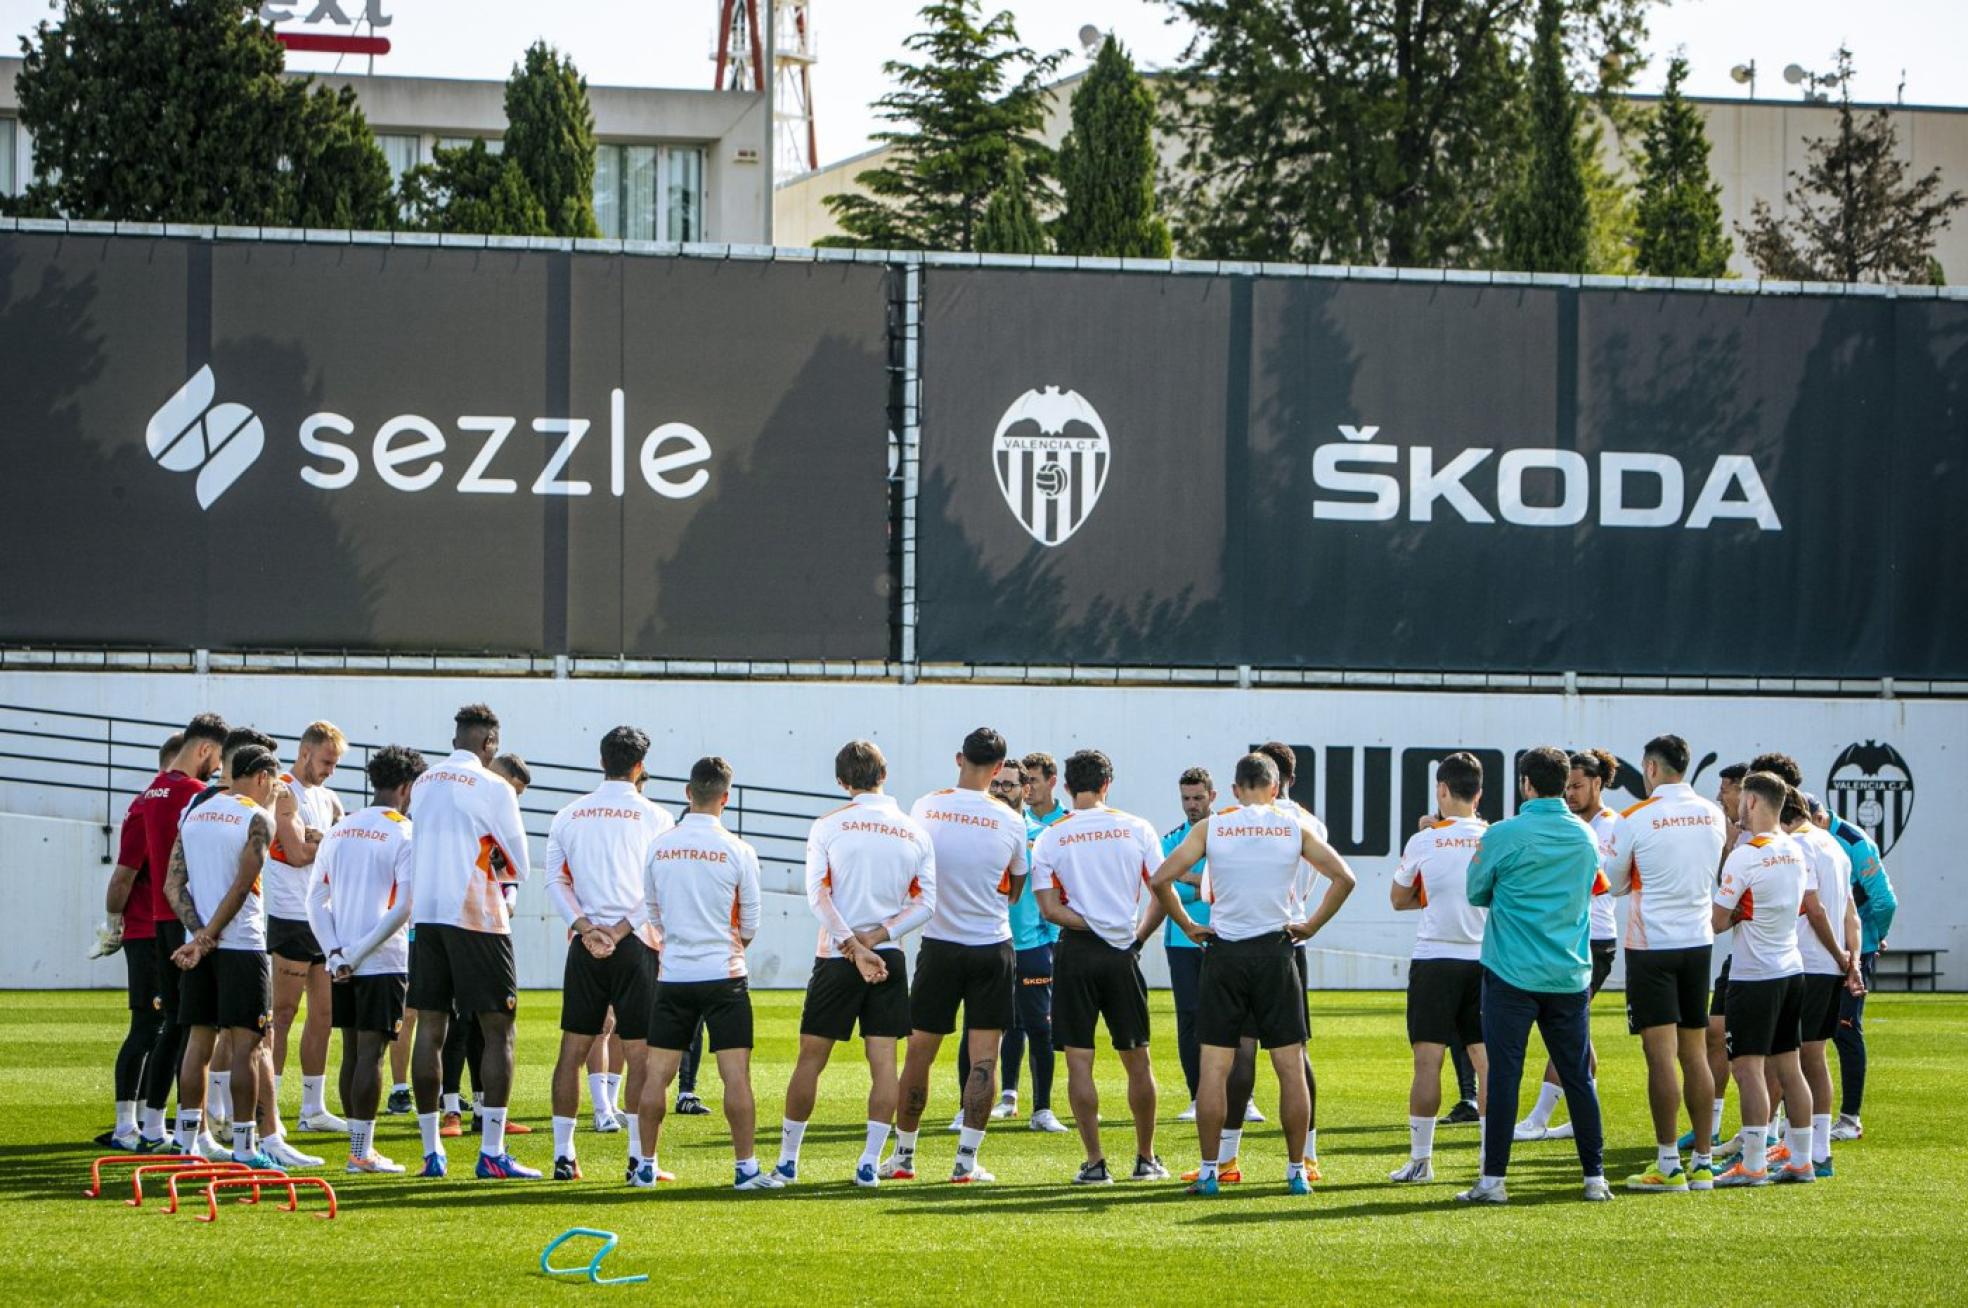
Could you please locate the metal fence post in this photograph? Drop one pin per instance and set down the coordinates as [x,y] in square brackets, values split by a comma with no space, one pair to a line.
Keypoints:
[911,453]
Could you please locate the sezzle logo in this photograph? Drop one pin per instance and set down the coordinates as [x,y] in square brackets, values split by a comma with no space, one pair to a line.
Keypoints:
[1732,490]
[1052,454]
[1871,786]
[189,432]
[222,441]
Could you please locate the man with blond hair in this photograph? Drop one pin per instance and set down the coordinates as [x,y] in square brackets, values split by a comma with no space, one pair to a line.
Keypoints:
[303,811]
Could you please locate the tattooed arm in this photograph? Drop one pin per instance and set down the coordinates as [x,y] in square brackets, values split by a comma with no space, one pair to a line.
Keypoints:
[177,890]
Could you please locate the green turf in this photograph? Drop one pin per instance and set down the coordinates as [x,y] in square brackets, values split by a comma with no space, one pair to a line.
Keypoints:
[1878,1232]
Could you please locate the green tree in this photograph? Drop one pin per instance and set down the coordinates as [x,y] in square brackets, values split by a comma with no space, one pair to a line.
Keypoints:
[1107,165]
[1680,214]
[1010,224]
[1546,221]
[1366,131]
[1852,215]
[179,111]
[550,135]
[1609,201]
[976,97]
[470,189]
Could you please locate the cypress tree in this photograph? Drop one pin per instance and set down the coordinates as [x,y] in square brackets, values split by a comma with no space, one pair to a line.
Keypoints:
[1680,220]
[1547,222]
[550,135]
[1010,224]
[1107,165]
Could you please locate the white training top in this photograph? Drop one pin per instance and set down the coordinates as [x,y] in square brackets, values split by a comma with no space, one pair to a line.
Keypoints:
[980,847]
[596,849]
[1829,870]
[1308,876]
[1437,862]
[701,886]
[359,891]
[1768,878]
[1254,853]
[1663,852]
[1099,859]
[464,812]
[214,836]
[287,885]
[868,865]
[1605,923]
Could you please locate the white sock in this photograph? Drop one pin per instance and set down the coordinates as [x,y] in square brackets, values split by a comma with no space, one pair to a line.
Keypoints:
[401,1087]
[190,1122]
[1489,1182]
[150,1123]
[1820,1137]
[877,1137]
[1294,1170]
[242,1140]
[968,1141]
[563,1133]
[635,1135]
[613,1080]
[360,1134]
[654,1166]
[276,1090]
[314,1095]
[492,1122]
[790,1135]
[1226,1152]
[1548,1097]
[748,1167]
[905,1142]
[1756,1155]
[218,1094]
[1698,1161]
[1312,1145]
[1009,1096]
[1421,1137]
[1667,1157]
[1799,1140]
[1715,1122]
[598,1092]
[427,1125]
[1207,1172]
[451,1103]
[126,1116]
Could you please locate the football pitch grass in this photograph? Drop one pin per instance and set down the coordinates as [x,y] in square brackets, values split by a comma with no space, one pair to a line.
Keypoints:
[1882,1231]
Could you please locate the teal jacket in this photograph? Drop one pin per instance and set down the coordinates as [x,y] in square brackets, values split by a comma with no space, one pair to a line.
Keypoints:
[1537,873]
[1192,899]
[1028,929]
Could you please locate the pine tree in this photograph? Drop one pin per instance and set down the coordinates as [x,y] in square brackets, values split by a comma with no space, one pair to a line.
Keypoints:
[1010,224]
[179,111]
[1547,223]
[471,190]
[550,135]
[1107,165]
[1852,215]
[1680,219]
[977,96]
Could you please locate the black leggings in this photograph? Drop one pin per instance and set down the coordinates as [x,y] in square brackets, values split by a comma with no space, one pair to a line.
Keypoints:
[464,1046]
[139,1042]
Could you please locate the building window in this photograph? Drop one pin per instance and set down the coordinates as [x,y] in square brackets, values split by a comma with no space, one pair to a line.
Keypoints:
[631,205]
[9,142]
[400,151]
[493,144]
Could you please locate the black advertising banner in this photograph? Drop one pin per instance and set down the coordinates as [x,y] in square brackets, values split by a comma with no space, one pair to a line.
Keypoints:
[1368,473]
[261,444]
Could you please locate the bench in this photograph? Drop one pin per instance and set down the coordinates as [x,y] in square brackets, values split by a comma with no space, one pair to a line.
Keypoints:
[1907,969]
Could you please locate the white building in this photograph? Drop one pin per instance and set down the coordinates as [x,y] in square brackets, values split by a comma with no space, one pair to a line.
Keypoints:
[672,165]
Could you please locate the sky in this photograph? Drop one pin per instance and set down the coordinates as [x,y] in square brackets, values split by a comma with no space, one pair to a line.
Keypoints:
[672,42]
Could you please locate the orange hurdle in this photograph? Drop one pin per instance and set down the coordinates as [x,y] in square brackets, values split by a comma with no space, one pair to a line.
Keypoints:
[173,1169]
[293,1184]
[131,1160]
[268,1175]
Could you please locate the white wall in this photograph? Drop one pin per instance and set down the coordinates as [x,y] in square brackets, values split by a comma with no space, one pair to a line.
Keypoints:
[785,734]
[51,879]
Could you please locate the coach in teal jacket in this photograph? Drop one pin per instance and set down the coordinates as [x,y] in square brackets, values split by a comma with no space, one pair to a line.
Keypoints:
[1536,874]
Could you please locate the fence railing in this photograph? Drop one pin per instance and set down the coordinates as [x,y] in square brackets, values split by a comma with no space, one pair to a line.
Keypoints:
[108,758]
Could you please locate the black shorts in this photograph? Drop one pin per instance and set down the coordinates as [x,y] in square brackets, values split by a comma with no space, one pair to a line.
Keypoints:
[470,970]
[293,939]
[625,979]
[1719,1005]
[140,960]
[723,1007]
[982,978]
[1250,985]
[1603,952]
[1445,1001]
[837,998]
[1765,1017]
[170,977]
[1822,993]
[1094,982]
[230,988]
[1304,989]
[372,1003]
[1667,987]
